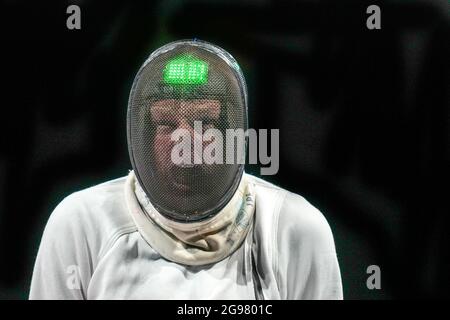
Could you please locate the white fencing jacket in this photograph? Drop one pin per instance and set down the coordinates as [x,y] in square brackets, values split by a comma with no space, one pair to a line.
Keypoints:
[92,249]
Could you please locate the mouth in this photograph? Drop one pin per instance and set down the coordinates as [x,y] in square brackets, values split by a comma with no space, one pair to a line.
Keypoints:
[181,187]
[189,166]
[181,181]
[183,177]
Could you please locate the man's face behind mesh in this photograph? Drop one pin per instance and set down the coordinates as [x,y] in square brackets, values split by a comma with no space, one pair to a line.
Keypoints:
[169,115]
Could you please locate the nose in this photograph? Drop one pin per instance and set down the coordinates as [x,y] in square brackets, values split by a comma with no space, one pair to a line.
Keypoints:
[196,140]
[184,124]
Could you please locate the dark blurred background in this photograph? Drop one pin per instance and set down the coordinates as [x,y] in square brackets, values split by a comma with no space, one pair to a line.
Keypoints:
[363,118]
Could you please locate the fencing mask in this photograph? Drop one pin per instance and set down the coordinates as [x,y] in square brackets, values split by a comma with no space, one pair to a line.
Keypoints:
[186,97]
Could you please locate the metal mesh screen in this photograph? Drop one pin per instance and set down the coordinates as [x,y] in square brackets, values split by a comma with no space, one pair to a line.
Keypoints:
[179,84]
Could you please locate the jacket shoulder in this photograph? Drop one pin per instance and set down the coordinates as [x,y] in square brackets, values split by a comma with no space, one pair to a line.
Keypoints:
[291,216]
[95,214]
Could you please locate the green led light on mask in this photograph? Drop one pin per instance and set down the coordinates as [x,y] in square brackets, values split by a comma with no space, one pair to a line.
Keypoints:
[186,70]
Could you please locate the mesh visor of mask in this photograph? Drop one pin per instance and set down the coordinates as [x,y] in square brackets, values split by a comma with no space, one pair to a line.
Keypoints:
[180,84]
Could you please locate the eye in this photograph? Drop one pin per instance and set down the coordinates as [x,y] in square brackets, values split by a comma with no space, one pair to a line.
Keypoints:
[167,123]
[165,126]
[208,121]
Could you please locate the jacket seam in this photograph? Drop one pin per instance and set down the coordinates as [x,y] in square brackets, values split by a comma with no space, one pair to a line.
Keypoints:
[113,239]
[275,251]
